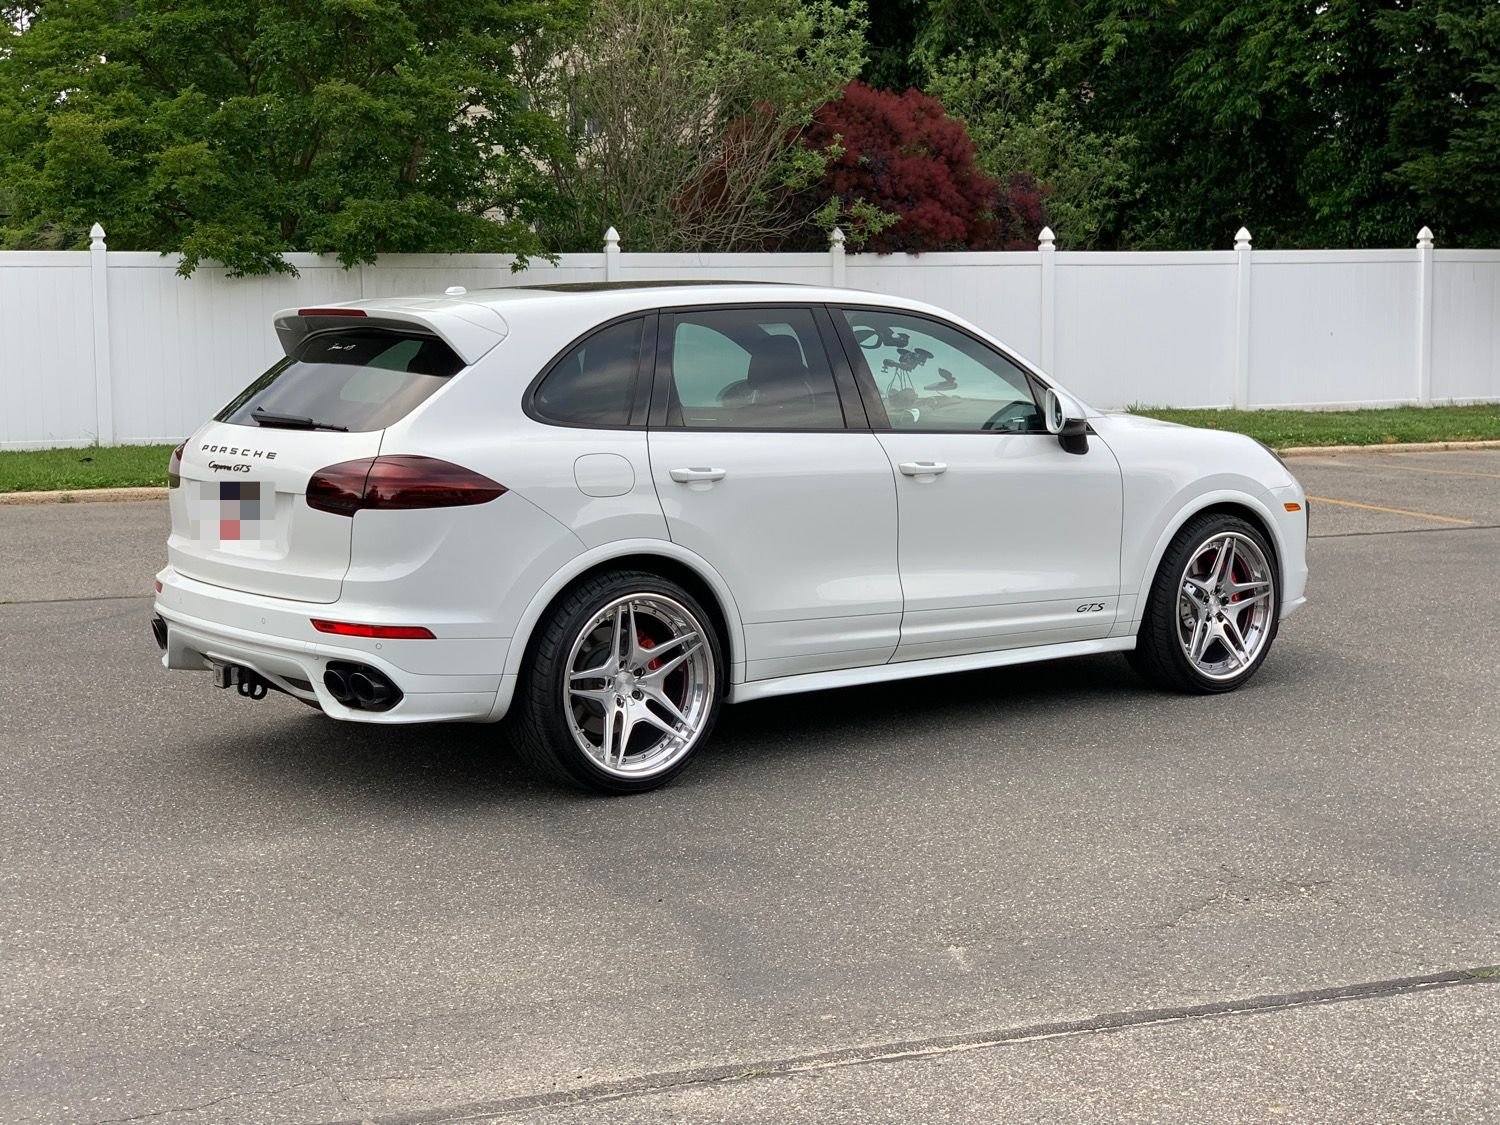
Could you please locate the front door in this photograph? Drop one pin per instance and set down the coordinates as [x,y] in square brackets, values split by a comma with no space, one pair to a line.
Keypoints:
[761,475]
[1007,540]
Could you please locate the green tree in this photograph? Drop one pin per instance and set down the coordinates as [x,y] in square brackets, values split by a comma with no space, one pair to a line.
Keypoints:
[239,130]
[684,115]
[1024,124]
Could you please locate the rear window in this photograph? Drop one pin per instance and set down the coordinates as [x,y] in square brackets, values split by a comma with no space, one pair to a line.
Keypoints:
[353,379]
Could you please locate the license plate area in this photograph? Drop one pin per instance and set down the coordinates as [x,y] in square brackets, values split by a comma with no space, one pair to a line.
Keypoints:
[234,515]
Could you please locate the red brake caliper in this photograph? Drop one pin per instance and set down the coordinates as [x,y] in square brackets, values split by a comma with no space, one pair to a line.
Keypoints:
[646,642]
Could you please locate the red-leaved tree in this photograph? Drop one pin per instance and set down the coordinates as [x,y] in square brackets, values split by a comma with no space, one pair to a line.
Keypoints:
[903,154]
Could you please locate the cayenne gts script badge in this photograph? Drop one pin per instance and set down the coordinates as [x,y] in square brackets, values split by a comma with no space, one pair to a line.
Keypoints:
[220,467]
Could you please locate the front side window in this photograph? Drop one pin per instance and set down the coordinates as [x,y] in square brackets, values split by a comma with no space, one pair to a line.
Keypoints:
[594,383]
[751,369]
[933,377]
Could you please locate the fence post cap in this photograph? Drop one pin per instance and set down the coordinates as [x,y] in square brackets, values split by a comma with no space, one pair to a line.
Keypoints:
[1424,238]
[1242,238]
[96,237]
[1046,240]
[836,237]
[611,239]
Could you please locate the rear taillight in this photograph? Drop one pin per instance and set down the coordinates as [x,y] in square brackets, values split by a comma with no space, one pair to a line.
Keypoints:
[395,482]
[174,466]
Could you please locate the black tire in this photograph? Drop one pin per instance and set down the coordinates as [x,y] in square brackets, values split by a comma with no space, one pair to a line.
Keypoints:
[1159,656]
[540,727]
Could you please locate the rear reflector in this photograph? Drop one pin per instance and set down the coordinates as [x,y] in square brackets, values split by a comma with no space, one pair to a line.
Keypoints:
[395,482]
[330,312]
[389,632]
[156,582]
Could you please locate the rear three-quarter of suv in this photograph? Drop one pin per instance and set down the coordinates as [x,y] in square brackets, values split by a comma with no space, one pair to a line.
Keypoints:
[604,511]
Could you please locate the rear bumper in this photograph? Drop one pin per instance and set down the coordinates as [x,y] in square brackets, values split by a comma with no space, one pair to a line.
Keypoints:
[443,679]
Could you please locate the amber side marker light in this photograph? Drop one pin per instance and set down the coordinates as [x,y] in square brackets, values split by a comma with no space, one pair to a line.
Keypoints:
[1292,507]
[387,632]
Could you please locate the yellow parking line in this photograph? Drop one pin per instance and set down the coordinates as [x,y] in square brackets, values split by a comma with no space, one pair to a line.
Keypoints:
[1444,472]
[1392,511]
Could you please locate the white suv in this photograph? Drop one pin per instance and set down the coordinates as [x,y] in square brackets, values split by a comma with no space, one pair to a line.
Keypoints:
[606,510]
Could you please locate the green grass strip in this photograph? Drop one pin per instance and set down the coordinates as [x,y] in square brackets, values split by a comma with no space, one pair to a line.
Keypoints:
[1283,428]
[120,466]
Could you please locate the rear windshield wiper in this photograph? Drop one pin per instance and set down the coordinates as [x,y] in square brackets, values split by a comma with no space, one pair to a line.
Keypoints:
[292,421]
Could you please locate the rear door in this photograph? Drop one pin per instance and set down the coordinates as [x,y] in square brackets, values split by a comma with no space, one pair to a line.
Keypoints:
[760,472]
[239,514]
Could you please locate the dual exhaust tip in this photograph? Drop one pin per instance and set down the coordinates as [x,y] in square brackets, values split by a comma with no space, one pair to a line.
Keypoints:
[360,687]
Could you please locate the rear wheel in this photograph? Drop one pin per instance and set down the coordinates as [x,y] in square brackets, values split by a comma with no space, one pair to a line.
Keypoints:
[1212,611]
[622,686]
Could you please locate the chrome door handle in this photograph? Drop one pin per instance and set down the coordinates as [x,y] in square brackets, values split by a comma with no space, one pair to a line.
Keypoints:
[923,468]
[688,476]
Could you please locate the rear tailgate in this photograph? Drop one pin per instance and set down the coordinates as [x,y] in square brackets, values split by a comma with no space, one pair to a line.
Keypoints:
[239,519]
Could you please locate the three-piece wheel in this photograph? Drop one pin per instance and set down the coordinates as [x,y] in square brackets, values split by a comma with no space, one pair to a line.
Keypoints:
[1212,610]
[626,675]
[623,685]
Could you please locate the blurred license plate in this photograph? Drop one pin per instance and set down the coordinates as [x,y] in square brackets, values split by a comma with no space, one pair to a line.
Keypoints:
[232,511]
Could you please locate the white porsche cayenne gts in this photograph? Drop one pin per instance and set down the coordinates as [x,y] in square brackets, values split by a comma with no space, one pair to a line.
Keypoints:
[603,511]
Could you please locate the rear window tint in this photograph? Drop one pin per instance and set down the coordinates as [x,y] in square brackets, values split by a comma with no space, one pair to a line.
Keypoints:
[360,379]
[594,384]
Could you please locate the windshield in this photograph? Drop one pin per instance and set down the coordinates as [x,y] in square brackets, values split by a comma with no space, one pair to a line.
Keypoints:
[351,379]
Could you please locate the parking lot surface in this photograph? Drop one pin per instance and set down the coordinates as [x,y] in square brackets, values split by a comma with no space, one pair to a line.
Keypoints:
[902,903]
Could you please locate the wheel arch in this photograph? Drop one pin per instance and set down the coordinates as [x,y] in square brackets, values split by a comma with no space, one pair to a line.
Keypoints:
[661,557]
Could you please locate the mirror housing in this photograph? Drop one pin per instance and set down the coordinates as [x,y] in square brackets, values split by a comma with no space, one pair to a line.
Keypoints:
[1064,417]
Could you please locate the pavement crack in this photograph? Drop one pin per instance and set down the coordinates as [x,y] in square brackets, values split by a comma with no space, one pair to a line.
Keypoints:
[750,1071]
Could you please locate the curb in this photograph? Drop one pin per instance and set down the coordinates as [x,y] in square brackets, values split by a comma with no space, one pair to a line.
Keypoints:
[82,496]
[1387,447]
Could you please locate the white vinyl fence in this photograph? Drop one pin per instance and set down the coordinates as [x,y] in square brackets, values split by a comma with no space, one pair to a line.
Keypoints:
[113,347]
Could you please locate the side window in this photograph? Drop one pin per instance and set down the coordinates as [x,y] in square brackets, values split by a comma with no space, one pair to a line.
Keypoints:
[756,369]
[934,377]
[594,384]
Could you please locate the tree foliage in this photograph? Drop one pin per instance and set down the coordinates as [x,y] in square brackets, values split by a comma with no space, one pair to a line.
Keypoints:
[903,155]
[683,118]
[239,130]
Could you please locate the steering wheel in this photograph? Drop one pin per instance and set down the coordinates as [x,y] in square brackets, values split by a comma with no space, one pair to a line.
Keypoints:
[1011,416]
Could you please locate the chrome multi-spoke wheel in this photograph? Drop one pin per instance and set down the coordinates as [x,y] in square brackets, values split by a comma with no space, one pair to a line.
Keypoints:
[640,685]
[1212,610]
[622,684]
[1227,605]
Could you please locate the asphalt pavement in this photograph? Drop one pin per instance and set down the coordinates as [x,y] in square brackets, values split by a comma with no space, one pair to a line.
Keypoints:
[1041,893]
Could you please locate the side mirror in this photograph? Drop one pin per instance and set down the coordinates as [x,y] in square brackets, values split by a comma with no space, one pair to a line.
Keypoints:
[1064,417]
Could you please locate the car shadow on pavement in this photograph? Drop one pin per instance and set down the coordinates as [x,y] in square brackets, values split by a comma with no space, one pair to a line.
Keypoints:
[462,764]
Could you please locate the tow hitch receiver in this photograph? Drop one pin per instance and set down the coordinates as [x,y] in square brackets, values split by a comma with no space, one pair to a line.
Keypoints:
[249,682]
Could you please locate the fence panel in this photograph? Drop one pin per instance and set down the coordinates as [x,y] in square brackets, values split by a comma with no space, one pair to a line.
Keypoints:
[1466,325]
[1334,328]
[1153,329]
[47,393]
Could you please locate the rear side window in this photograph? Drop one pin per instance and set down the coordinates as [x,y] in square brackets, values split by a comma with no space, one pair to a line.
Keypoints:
[355,379]
[594,384]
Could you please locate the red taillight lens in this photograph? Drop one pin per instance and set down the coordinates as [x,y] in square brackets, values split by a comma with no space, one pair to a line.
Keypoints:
[174,466]
[395,482]
[330,312]
[389,632]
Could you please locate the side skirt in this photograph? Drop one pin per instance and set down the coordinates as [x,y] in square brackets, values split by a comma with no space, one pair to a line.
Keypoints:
[911,669]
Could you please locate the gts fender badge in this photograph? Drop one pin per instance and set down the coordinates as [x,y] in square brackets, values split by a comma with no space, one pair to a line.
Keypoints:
[1090,607]
[220,467]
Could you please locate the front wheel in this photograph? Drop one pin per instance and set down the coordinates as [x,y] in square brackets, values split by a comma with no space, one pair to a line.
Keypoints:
[1212,611]
[622,686]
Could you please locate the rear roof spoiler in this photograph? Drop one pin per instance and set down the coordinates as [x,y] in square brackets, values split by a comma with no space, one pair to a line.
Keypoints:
[470,329]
